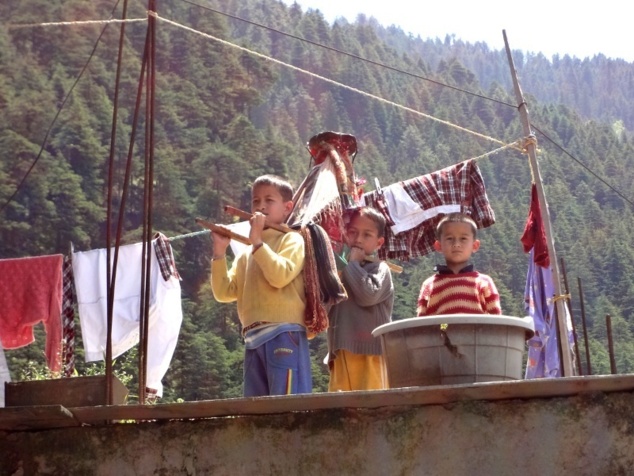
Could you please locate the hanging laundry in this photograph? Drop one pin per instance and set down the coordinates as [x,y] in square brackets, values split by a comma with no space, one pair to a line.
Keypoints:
[31,292]
[329,190]
[165,311]
[4,375]
[68,318]
[408,214]
[323,285]
[165,256]
[534,236]
[543,348]
[459,188]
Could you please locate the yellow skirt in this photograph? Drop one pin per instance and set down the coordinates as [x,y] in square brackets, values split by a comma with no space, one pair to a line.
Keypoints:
[357,372]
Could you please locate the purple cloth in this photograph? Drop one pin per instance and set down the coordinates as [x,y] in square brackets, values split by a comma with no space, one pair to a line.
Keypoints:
[543,347]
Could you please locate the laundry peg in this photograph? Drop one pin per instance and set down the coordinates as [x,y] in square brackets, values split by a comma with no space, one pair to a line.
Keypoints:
[377,185]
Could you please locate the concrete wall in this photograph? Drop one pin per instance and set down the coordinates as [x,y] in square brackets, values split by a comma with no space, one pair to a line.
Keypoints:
[588,434]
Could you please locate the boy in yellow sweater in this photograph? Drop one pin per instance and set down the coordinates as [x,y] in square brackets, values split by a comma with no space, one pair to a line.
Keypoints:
[267,282]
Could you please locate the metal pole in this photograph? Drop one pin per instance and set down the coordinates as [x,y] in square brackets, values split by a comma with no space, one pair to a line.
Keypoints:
[585,329]
[562,328]
[572,317]
[110,274]
[608,325]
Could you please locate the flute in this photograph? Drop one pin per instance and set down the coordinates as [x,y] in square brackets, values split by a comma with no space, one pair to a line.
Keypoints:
[236,212]
[287,229]
[224,231]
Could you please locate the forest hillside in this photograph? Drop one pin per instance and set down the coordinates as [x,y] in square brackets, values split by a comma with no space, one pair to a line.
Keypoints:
[225,115]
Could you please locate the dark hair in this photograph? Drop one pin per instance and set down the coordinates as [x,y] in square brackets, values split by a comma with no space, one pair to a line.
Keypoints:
[456,218]
[373,215]
[282,186]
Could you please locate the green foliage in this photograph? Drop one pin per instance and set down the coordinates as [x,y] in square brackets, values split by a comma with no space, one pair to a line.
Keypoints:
[223,117]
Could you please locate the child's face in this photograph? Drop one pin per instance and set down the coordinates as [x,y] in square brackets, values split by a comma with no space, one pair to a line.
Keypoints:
[362,233]
[268,200]
[457,243]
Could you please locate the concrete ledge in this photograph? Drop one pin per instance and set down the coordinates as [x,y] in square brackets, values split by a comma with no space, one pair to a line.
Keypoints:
[580,426]
[26,418]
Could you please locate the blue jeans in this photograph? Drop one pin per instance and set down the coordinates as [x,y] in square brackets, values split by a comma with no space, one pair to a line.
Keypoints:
[279,366]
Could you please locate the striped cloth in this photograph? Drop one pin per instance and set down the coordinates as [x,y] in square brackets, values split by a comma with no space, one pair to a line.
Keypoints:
[323,287]
[461,184]
[165,257]
[68,318]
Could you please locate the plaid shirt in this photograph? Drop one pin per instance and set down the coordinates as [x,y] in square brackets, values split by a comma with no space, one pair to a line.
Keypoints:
[460,184]
[165,257]
[68,318]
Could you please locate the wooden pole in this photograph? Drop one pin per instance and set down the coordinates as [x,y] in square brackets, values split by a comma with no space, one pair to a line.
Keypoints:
[585,329]
[562,328]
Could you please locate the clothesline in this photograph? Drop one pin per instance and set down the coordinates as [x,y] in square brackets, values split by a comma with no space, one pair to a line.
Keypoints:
[189,235]
[517,145]
[268,58]
[173,238]
[323,78]
[15,26]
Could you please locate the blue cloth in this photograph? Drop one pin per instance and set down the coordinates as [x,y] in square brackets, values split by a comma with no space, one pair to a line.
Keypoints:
[277,361]
[543,347]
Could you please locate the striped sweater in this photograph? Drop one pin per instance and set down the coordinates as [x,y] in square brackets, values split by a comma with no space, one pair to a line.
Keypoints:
[467,292]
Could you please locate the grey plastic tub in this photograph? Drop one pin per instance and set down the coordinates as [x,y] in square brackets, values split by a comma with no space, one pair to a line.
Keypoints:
[454,349]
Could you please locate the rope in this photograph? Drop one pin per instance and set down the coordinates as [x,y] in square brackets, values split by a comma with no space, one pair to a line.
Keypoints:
[189,235]
[554,299]
[17,26]
[73,23]
[514,145]
[328,80]
[530,140]
[349,55]
[588,169]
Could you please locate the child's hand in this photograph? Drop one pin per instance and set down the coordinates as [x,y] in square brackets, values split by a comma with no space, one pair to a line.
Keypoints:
[257,225]
[356,254]
[220,243]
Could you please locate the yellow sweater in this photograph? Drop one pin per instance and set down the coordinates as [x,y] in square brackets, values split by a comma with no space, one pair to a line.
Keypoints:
[268,284]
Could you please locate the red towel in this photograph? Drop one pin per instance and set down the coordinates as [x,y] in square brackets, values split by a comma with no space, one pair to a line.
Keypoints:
[30,292]
[534,234]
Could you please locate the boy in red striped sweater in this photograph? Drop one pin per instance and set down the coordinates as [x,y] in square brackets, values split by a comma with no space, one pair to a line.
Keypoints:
[457,288]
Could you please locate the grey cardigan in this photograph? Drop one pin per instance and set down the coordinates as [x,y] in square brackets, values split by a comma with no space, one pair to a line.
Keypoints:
[369,305]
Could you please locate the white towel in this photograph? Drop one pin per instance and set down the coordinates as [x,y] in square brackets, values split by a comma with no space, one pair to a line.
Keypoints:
[165,314]
[406,213]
